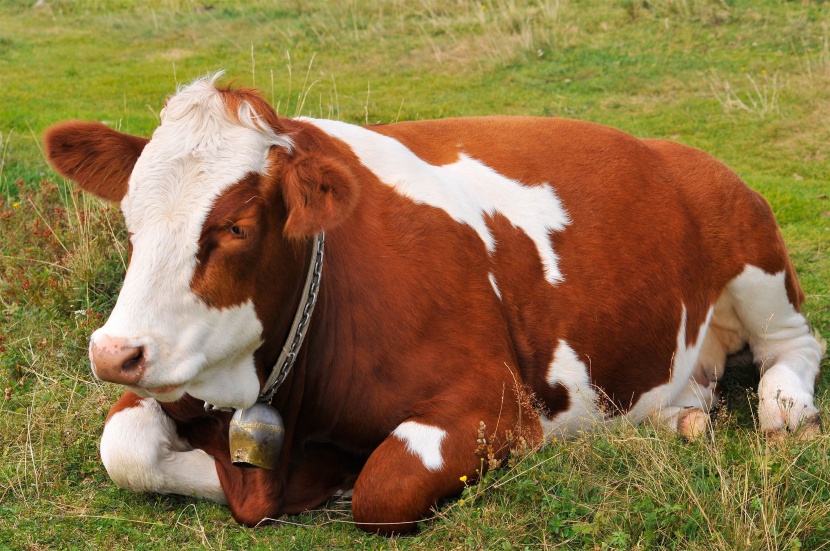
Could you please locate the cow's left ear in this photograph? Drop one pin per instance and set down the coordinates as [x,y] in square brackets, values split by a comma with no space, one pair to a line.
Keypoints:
[95,156]
[320,192]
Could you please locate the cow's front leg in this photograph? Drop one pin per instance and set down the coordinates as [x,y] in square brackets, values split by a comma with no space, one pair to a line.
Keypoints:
[426,459]
[143,452]
[253,495]
[317,474]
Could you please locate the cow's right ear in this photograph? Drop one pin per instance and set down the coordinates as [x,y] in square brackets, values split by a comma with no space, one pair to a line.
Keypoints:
[320,192]
[95,156]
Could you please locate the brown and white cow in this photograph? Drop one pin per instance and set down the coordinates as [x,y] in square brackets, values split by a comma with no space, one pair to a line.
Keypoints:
[467,263]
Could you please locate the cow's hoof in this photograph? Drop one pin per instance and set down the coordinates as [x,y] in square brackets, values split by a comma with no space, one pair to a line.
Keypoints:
[692,423]
[775,436]
[809,428]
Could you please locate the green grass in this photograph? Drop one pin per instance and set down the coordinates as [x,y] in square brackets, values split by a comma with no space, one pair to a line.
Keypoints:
[744,80]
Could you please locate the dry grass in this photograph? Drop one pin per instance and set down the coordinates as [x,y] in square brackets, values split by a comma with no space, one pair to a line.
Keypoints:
[759,97]
[501,30]
[625,488]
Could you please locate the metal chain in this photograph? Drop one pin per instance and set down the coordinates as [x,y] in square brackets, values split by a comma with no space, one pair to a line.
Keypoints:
[290,356]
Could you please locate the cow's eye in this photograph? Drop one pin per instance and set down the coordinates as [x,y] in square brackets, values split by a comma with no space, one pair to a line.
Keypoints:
[237,231]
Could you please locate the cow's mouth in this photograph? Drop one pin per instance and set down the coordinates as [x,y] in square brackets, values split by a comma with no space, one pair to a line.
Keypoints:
[167,393]
[169,389]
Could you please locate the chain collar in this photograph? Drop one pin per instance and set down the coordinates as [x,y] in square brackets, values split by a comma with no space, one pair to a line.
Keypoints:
[294,341]
[295,337]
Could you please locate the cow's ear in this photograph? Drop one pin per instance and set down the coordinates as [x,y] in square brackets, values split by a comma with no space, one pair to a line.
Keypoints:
[98,158]
[320,192]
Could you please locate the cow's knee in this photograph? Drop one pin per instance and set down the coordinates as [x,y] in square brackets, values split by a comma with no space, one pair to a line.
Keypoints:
[130,445]
[142,452]
[400,483]
[420,463]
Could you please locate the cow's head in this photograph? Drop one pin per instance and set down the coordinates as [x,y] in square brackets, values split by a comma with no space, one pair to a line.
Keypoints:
[220,205]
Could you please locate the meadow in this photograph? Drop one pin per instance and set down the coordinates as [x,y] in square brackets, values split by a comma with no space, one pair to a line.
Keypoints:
[745,80]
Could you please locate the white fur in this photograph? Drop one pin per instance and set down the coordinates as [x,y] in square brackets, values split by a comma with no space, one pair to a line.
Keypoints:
[467,190]
[681,376]
[196,153]
[753,308]
[782,344]
[423,441]
[142,452]
[664,401]
[495,285]
[567,369]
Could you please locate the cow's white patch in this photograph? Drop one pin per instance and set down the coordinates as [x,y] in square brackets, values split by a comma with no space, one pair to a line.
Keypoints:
[495,285]
[196,153]
[681,376]
[467,189]
[568,370]
[782,344]
[423,441]
[142,452]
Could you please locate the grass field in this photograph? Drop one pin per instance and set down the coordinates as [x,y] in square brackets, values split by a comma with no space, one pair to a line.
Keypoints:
[744,80]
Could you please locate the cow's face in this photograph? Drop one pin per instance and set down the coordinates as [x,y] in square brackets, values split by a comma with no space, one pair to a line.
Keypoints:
[217,205]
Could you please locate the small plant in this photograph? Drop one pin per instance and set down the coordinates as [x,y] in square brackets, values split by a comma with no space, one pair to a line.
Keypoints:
[761,99]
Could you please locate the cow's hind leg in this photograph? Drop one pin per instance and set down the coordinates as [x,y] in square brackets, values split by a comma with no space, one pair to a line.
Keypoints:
[783,346]
[688,412]
[142,451]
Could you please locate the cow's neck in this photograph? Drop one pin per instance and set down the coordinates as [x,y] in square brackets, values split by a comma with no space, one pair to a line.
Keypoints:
[371,302]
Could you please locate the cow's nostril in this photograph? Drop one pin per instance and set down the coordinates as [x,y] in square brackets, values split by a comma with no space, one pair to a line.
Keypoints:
[134,363]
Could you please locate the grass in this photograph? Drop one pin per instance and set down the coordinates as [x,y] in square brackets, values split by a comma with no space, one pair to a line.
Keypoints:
[743,80]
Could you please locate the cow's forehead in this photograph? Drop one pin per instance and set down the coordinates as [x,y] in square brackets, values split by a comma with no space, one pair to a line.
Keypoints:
[207,140]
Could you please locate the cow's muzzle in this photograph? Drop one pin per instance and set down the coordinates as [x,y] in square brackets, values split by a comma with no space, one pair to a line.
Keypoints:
[114,361]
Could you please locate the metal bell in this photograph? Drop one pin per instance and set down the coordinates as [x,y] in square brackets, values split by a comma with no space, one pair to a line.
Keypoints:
[256,435]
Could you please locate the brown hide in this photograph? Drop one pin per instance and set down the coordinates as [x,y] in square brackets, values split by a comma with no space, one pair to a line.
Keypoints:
[654,224]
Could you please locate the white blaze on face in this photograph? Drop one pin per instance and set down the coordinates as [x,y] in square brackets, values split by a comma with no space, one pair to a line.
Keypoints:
[468,190]
[196,153]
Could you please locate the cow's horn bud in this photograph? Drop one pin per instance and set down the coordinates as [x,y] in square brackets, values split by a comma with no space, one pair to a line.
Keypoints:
[256,435]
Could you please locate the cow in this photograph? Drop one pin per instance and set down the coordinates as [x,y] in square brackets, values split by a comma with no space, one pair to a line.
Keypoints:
[418,299]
